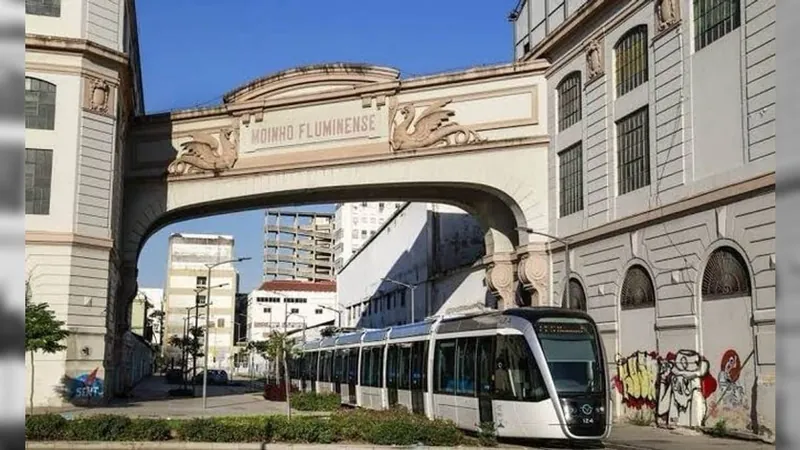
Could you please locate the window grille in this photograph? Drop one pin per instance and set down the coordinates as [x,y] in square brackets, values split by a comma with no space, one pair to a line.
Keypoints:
[38,175]
[631,60]
[637,289]
[40,104]
[633,151]
[570,173]
[714,19]
[50,8]
[569,100]
[725,275]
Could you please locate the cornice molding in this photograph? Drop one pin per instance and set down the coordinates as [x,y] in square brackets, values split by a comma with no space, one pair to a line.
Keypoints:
[82,47]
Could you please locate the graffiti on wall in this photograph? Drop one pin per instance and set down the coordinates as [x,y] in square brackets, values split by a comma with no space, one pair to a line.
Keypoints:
[87,386]
[668,385]
[636,379]
[681,376]
[732,402]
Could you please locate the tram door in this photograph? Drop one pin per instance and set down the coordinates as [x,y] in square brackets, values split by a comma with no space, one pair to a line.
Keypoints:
[352,374]
[337,372]
[418,379]
[485,383]
[391,373]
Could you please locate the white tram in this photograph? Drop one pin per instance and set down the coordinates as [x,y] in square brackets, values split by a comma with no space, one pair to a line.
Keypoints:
[534,372]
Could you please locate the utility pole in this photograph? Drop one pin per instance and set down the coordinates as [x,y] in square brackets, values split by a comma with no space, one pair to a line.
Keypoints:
[568,291]
[411,287]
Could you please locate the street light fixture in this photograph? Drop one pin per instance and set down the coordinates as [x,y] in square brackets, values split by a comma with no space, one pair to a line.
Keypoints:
[208,324]
[566,259]
[412,287]
[336,310]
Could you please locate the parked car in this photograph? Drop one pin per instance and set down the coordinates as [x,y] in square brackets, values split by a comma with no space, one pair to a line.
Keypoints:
[215,376]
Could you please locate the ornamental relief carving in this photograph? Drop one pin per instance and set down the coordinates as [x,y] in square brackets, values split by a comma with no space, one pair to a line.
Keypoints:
[594,60]
[205,153]
[432,128]
[668,13]
[97,96]
[533,270]
[500,279]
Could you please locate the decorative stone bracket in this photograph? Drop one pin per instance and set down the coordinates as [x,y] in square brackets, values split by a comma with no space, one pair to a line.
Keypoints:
[668,13]
[501,280]
[595,66]
[534,274]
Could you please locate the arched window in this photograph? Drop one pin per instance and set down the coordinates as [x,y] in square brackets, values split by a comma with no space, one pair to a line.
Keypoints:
[637,289]
[40,104]
[714,19]
[51,8]
[725,275]
[577,296]
[569,100]
[631,59]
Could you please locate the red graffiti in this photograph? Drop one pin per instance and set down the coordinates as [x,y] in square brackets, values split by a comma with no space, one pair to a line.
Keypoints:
[731,365]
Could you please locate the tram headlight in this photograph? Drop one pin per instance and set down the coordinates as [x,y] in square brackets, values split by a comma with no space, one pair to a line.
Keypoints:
[566,406]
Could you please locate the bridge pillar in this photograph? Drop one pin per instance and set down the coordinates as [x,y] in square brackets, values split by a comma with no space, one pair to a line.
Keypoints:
[533,271]
[501,278]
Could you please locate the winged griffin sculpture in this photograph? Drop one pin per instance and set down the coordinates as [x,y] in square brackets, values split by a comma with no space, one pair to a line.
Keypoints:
[432,128]
[204,154]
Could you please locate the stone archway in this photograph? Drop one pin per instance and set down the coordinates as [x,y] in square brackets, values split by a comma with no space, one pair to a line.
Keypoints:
[344,132]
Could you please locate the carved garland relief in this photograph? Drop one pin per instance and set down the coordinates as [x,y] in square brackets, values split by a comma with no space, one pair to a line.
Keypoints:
[668,13]
[432,128]
[205,153]
[594,60]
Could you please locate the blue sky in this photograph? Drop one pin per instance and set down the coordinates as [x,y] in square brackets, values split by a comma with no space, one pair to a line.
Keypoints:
[193,51]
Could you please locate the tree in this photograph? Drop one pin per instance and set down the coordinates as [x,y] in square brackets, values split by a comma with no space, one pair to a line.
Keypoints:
[277,348]
[43,333]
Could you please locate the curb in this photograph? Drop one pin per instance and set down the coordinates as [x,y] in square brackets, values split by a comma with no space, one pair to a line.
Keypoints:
[182,445]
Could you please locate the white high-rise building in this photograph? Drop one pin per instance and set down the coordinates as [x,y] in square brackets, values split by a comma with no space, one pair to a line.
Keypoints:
[187,283]
[354,223]
[155,296]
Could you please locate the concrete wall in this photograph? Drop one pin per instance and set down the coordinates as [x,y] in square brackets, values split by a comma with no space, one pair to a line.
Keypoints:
[711,131]
[435,247]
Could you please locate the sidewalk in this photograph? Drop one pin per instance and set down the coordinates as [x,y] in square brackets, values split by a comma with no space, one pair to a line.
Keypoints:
[629,437]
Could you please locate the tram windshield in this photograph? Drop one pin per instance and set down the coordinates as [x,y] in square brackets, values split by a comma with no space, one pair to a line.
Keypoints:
[573,354]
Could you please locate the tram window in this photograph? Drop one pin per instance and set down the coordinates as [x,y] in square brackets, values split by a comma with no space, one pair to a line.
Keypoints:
[484,363]
[572,353]
[352,371]
[445,367]
[377,366]
[366,360]
[516,376]
[337,366]
[391,367]
[403,366]
[465,361]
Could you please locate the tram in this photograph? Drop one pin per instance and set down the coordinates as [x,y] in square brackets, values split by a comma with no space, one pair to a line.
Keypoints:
[533,372]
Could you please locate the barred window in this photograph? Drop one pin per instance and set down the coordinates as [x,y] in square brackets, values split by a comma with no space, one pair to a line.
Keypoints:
[51,8]
[631,59]
[569,100]
[577,296]
[38,173]
[726,275]
[570,175]
[633,151]
[40,104]
[637,289]
[714,19]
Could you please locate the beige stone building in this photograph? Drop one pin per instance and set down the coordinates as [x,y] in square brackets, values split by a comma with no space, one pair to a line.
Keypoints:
[82,84]
[661,166]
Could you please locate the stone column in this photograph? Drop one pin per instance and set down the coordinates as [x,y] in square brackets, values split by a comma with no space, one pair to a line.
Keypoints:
[533,271]
[501,279]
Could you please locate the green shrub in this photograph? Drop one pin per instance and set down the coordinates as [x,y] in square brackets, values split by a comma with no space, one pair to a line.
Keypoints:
[487,434]
[147,430]
[312,401]
[101,427]
[45,427]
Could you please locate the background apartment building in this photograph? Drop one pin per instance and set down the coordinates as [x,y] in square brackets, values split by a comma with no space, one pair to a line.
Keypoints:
[82,83]
[355,223]
[661,118]
[287,306]
[190,256]
[298,246]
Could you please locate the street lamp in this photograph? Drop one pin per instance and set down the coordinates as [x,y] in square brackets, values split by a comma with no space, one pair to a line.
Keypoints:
[208,324]
[337,311]
[566,258]
[412,287]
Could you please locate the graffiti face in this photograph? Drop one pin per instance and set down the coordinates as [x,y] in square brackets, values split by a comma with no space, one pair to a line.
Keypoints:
[635,380]
[87,385]
[731,365]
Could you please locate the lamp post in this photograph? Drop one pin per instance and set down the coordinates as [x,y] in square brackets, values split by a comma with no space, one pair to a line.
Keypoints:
[411,287]
[566,259]
[208,325]
[337,311]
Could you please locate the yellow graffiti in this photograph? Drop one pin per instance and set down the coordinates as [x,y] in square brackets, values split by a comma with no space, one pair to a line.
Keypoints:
[638,376]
